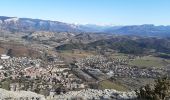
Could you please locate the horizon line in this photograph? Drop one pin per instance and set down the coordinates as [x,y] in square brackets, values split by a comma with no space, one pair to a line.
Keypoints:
[76,23]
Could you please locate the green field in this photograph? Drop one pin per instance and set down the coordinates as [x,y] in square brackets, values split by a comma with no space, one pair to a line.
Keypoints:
[119,56]
[106,84]
[168,61]
[5,84]
[149,61]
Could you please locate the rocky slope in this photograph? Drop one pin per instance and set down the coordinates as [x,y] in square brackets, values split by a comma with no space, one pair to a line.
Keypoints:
[92,94]
[20,95]
[86,94]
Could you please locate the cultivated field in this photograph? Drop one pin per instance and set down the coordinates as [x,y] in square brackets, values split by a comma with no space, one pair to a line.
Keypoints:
[107,84]
[149,61]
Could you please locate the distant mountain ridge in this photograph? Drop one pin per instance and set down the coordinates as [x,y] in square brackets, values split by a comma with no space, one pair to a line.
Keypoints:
[14,24]
[142,30]
[31,25]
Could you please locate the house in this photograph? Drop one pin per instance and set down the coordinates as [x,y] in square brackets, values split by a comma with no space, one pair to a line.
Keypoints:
[4,56]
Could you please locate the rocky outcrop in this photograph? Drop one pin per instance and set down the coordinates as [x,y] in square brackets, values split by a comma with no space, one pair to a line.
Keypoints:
[85,94]
[92,94]
[20,95]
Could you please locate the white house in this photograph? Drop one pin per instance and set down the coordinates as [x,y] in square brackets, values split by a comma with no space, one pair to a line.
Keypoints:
[4,56]
[1,66]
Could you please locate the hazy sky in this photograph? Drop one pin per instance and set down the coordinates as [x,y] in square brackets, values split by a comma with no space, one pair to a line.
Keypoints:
[117,12]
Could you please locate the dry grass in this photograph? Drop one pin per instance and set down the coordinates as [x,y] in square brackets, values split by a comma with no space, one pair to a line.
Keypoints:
[77,53]
[18,50]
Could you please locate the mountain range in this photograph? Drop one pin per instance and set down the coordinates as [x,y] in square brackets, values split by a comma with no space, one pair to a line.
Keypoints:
[14,24]
[30,25]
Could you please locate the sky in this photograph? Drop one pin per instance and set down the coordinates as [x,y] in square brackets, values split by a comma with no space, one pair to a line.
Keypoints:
[101,12]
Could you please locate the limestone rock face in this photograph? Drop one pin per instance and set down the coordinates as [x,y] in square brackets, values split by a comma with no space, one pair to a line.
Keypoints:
[89,94]
[85,94]
[20,95]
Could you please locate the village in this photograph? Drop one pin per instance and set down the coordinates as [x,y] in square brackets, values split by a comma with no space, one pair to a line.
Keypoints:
[28,74]
[55,79]
[101,66]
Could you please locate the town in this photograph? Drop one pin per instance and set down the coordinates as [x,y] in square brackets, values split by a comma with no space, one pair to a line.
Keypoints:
[53,78]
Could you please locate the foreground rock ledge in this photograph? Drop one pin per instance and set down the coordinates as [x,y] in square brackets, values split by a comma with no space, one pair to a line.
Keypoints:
[85,94]
[20,95]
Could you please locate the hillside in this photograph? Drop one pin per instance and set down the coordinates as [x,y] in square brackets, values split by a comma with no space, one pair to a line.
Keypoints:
[124,45]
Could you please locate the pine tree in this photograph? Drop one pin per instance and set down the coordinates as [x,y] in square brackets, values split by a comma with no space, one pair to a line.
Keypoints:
[160,91]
